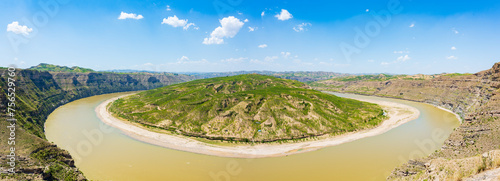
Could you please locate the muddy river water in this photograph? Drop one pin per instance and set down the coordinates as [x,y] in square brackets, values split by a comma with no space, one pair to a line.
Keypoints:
[105,153]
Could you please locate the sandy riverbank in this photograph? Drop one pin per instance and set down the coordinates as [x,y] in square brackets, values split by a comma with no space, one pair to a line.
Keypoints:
[398,115]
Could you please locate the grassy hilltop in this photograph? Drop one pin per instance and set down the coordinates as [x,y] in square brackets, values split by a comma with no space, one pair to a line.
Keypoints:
[57,68]
[247,107]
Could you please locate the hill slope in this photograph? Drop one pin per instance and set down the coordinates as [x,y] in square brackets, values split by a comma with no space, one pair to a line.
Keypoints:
[247,108]
[475,97]
[38,93]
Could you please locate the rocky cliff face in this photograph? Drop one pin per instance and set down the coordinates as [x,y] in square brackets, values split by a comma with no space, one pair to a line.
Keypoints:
[38,93]
[476,98]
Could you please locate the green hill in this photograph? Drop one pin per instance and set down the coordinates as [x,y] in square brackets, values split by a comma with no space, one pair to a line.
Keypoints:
[58,68]
[247,107]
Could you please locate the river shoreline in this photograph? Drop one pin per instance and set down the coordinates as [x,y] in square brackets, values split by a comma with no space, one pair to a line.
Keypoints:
[398,115]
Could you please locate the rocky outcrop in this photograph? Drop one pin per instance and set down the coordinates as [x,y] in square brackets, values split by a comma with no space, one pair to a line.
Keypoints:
[475,97]
[38,93]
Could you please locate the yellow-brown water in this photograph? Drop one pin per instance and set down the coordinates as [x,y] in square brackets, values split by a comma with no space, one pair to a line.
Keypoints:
[105,153]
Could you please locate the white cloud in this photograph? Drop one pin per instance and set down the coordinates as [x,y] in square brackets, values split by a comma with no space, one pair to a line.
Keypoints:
[454,31]
[183,59]
[401,52]
[371,60]
[234,60]
[263,13]
[190,24]
[285,54]
[263,46]
[124,15]
[213,40]
[270,59]
[186,60]
[400,59]
[412,25]
[250,29]
[18,29]
[176,22]
[168,8]
[246,20]
[367,10]
[301,27]
[283,15]
[230,26]
[403,58]
[453,48]
[452,57]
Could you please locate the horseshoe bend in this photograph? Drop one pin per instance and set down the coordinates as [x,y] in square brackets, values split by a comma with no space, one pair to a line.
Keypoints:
[249,109]
[238,90]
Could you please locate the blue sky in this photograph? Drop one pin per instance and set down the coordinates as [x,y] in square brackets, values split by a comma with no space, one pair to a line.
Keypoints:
[387,36]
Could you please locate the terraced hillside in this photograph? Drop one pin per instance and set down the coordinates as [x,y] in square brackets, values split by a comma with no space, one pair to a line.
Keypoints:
[247,108]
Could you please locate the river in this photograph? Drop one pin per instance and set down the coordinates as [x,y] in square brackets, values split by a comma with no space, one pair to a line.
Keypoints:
[105,153]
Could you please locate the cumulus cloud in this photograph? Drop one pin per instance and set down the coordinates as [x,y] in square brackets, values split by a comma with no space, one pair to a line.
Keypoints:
[403,58]
[168,8]
[412,25]
[176,22]
[263,46]
[263,13]
[246,20]
[190,24]
[453,48]
[124,15]
[454,31]
[400,59]
[452,57]
[230,26]
[301,27]
[284,15]
[285,54]
[18,29]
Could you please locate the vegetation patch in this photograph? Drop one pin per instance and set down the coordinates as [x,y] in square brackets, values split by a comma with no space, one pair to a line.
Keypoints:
[247,108]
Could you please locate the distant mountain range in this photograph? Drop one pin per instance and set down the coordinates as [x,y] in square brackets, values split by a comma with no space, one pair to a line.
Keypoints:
[302,76]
